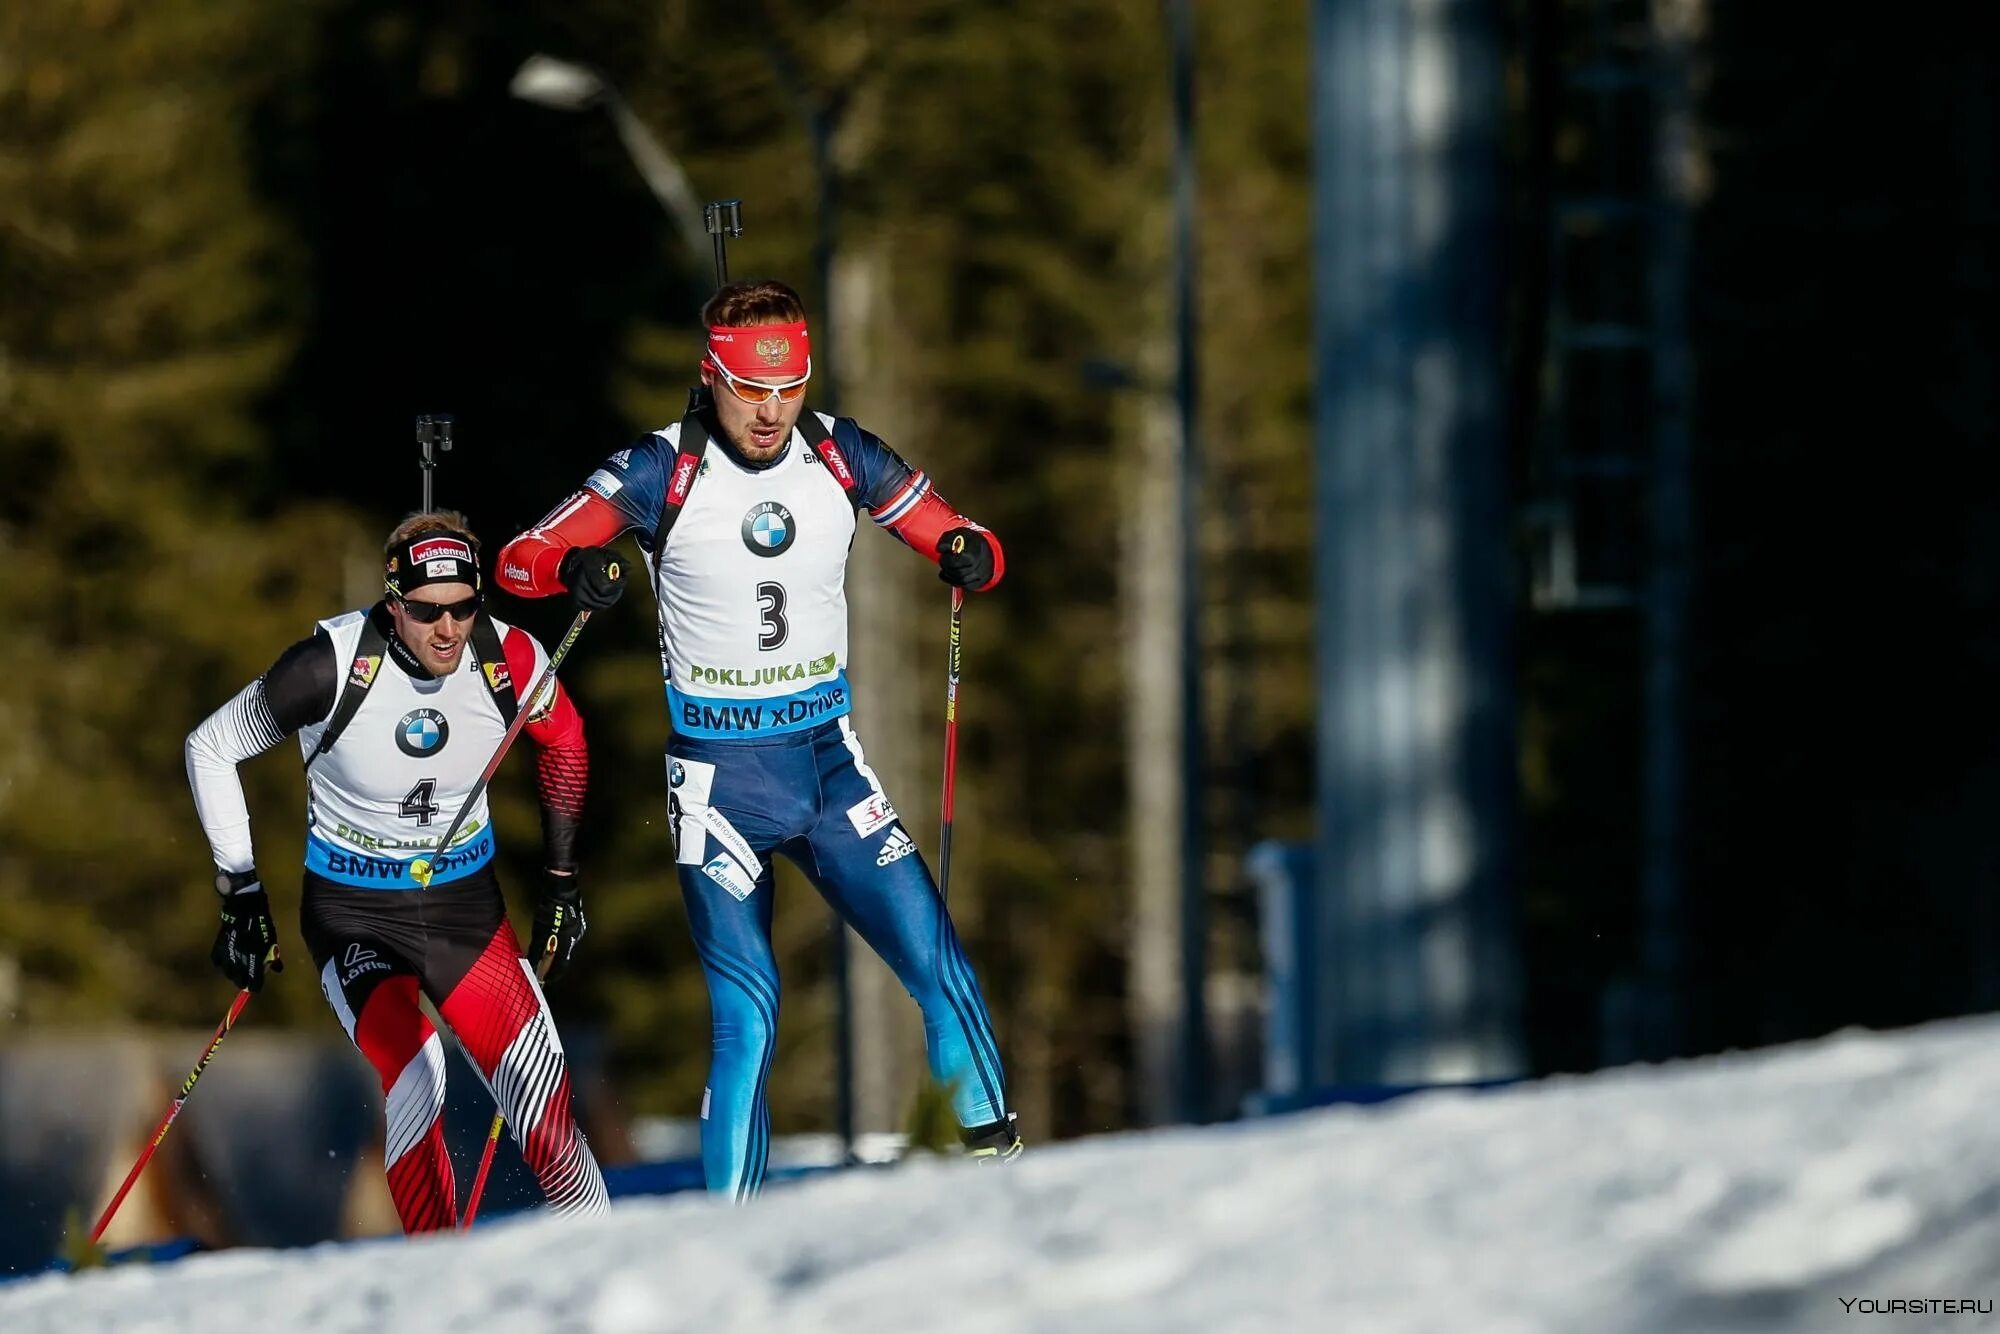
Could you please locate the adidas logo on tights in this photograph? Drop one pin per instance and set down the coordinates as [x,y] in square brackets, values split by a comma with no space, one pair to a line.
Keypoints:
[895,847]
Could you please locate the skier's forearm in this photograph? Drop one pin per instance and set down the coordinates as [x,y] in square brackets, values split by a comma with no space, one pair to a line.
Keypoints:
[562,757]
[528,565]
[562,776]
[920,522]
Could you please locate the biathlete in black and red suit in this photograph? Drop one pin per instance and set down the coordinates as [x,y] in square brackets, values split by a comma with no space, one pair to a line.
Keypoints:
[397,709]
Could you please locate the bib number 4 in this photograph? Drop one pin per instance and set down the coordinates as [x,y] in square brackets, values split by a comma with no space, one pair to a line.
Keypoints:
[419,803]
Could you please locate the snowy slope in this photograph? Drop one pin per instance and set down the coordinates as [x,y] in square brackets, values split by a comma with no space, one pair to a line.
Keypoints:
[1749,1192]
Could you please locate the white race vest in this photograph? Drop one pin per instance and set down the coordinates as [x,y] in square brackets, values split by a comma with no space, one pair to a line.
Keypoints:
[398,774]
[753,598]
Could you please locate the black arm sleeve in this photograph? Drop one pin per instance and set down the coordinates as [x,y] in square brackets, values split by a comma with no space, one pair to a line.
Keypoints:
[301,685]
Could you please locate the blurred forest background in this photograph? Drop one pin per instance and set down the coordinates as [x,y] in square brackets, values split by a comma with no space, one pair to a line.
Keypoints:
[242,245]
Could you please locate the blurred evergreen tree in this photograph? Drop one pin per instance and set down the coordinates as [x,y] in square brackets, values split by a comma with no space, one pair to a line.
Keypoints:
[151,298]
[241,248]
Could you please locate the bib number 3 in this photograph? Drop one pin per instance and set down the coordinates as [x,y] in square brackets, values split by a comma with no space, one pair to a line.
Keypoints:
[771,604]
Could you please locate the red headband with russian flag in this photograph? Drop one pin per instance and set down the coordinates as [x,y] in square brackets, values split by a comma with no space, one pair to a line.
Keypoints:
[772,353]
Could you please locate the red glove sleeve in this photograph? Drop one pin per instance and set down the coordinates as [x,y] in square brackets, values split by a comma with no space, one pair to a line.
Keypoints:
[527,565]
[930,519]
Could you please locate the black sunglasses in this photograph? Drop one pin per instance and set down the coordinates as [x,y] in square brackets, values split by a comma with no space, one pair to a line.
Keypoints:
[427,613]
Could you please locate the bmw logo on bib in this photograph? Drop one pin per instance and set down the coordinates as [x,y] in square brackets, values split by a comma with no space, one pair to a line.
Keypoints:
[768,528]
[422,733]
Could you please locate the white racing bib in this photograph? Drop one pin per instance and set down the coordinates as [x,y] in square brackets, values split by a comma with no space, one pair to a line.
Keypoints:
[395,780]
[753,599]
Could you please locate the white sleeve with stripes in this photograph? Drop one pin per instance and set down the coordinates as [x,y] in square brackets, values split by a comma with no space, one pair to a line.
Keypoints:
[233,733]
[297,691]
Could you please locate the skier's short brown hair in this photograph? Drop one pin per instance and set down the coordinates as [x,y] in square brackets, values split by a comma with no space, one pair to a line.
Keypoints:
[754,301]
[430,521]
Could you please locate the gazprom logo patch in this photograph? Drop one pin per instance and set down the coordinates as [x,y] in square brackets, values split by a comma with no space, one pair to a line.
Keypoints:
[422,733]
[768,528]
[726,871]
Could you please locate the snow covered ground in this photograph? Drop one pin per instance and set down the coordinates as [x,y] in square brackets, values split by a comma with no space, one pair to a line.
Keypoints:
[1750,1192]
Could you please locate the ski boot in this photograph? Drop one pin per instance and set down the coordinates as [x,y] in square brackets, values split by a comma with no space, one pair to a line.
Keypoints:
[994,1142]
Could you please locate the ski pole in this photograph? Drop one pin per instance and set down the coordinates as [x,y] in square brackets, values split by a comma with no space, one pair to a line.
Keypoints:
[493,1133]
[422,869]
[485,1166]
[180,1100]
[950,734]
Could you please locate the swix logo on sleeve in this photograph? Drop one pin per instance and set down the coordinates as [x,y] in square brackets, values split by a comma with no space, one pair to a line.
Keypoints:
[836,463]
[683,478]
[441,548]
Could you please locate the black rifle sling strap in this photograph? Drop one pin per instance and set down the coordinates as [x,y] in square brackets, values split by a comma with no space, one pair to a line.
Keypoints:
[820,445]
[693,449]
[368,653]
[688,461]
[492,660]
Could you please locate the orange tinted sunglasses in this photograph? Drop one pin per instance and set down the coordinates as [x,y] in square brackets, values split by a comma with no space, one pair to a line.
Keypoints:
[750,391]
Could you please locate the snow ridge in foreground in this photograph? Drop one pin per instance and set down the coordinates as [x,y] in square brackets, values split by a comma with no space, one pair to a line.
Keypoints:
[1745,1192]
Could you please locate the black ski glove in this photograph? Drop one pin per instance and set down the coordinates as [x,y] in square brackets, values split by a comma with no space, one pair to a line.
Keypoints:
[965,558]
[246,944]
[559,923]
[593,575]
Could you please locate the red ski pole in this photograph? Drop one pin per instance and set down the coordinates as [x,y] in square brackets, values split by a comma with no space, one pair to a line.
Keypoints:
[493,1132]
[485,1166]
[180,1100]
[950,741]
[423,868]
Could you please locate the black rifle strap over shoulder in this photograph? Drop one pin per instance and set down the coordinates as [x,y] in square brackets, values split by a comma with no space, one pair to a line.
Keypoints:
[819,444]
[492,660]
[693,449]
[368,653]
